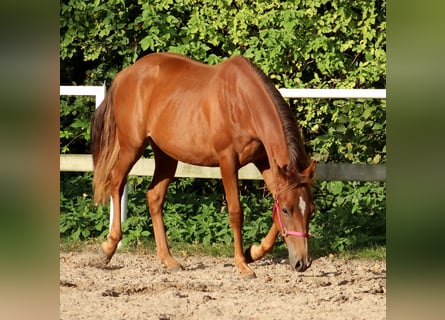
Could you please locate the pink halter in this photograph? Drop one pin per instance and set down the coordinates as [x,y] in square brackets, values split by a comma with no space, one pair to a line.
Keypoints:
[284,231]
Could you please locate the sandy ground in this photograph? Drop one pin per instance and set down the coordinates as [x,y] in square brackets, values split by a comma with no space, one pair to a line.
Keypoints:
[136,286]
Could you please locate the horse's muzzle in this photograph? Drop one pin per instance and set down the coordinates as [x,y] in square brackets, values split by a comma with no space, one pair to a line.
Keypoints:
[301,265]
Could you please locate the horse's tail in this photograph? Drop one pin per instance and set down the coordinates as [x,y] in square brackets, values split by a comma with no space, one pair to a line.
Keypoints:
[104,147]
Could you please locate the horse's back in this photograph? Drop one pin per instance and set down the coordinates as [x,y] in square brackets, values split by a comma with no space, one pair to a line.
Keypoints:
[171,67]
[168,67]
[184,106]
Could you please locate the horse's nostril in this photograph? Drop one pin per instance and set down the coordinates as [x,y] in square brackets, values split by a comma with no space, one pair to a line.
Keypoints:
[302,265]
[298,265]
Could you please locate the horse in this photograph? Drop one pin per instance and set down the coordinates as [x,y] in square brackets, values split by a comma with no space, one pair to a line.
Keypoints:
[224,115]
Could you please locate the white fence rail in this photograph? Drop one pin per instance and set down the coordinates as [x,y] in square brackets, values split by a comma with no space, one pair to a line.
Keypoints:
[145,167]
[325,171]
[97,91]
[334,93]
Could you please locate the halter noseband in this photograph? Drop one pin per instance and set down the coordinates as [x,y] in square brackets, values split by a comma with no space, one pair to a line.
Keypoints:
[284,231]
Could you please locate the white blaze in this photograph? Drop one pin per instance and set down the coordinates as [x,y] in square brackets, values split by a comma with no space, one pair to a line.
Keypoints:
[302,206]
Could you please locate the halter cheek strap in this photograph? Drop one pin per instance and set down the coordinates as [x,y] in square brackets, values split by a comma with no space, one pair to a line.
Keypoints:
[284,231]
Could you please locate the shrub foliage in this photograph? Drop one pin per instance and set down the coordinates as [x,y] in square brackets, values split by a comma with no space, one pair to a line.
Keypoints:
[298,44]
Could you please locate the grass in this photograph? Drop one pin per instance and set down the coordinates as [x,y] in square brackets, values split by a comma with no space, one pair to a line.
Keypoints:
[373,252]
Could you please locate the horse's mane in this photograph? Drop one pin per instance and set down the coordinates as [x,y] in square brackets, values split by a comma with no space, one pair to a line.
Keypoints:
[298,157]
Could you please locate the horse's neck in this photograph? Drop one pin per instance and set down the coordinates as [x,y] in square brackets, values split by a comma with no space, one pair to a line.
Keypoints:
[259,106]
[271,134]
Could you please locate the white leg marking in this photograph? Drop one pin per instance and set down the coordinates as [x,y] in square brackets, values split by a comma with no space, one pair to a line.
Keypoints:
[302,206]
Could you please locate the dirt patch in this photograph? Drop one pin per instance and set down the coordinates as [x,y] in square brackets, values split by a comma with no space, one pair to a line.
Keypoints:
[136,286]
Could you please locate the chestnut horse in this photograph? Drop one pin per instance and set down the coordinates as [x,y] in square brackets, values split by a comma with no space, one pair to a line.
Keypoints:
[225,115]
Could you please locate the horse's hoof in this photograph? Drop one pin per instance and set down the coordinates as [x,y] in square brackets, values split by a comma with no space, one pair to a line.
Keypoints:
[175,269]
[248,256]
[101,260]
[248,276]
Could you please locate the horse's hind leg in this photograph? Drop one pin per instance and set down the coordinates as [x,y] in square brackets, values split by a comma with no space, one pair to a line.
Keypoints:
[118,177]
[165,168]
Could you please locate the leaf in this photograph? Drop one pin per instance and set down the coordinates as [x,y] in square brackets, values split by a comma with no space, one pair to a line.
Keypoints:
[146,43]
[86,233]
[335,187]
[76,234]
[376,159]
[80,123]
[367,113]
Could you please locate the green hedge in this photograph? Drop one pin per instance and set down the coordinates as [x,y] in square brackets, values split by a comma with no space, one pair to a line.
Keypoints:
[307,44]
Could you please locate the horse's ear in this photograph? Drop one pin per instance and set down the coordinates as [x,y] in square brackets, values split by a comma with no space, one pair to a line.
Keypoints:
[310,170]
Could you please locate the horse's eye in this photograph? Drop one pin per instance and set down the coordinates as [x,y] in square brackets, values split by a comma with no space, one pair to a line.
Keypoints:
[285,211]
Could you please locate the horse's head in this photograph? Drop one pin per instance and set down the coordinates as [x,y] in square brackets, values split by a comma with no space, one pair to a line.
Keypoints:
[292,212]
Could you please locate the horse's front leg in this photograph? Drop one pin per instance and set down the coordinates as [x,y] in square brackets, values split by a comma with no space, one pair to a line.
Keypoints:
[236,218]
[256,252]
